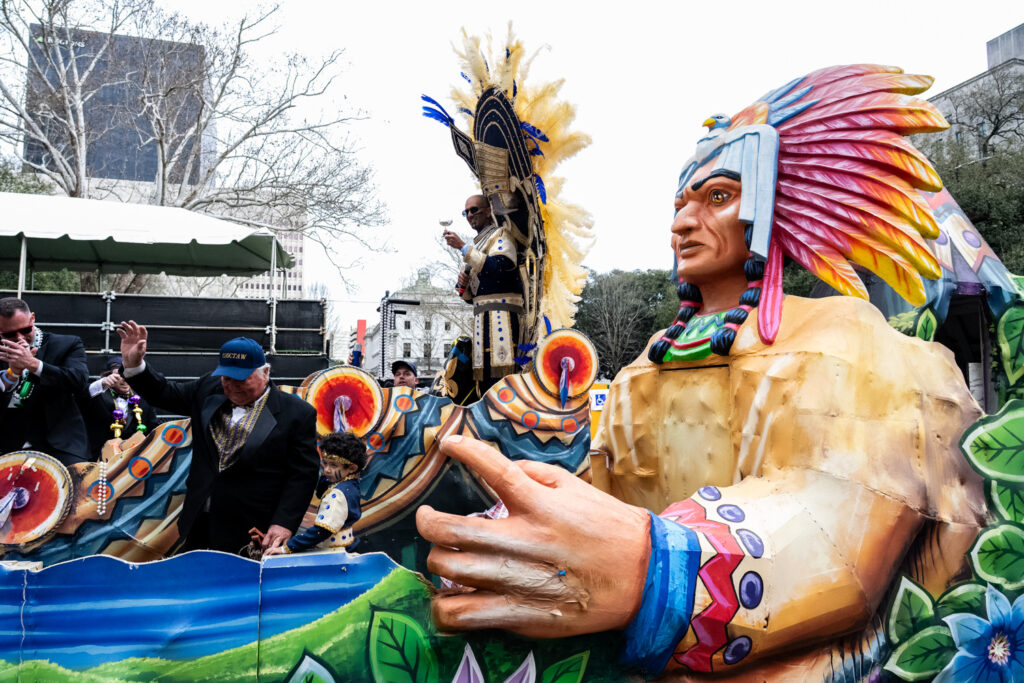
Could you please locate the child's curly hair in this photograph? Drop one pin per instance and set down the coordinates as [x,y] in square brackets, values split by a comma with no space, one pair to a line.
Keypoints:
[343,445]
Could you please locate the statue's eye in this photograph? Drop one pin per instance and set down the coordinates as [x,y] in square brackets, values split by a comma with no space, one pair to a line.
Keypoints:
[718,197]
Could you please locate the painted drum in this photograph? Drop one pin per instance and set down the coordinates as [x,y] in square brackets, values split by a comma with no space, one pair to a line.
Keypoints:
[47,483]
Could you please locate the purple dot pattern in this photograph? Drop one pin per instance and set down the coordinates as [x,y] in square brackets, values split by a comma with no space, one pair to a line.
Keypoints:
[709,493]
[731,513]
[751,590]
[737,650]
[752,542]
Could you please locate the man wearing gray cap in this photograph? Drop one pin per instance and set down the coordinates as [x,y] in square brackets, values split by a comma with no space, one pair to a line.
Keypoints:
[254,458]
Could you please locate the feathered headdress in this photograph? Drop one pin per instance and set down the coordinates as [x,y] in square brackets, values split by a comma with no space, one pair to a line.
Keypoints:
[829,179]
[544,124]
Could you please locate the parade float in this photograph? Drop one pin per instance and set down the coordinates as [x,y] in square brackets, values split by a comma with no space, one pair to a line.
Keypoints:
[833,503]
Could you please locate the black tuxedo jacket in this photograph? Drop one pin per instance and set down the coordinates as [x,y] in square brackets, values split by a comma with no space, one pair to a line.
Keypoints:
[273,476]
[50,418]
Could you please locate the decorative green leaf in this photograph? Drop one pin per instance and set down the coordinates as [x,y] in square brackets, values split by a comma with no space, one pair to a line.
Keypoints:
[994,445]
[904,322]
[1007,501]
[1010,338]
[399,650]
[962,598]
[924,655]
[569,670]
[998,556]
[1018,282]
[912,610]
[926,325]
[309,669]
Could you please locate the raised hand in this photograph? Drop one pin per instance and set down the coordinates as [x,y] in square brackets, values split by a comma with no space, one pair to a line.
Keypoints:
[133,343]
[568,559]
[453,240]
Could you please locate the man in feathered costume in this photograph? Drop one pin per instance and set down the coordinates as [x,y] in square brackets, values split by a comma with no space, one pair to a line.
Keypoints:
[523,272]
[803,453]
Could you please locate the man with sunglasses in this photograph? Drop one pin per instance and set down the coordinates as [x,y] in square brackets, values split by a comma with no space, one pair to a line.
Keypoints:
[44,374]
[491,282]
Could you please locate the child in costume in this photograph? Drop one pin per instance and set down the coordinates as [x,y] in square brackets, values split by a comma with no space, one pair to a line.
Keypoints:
[343,457]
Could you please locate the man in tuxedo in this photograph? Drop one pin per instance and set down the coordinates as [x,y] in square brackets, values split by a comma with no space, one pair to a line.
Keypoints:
[254,457]
[44,375]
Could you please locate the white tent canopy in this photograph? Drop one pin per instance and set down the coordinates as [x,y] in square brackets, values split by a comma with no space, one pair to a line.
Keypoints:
[49,233]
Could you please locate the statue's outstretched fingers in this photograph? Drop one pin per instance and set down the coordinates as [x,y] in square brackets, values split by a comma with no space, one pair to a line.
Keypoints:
[551,476]
[457,531]
[508,481]
[505,575]
[482,610]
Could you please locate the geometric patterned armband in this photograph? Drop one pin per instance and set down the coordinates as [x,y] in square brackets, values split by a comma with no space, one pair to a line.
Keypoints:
[717,583]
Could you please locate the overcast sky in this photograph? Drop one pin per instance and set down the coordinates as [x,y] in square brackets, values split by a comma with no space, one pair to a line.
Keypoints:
[643,75]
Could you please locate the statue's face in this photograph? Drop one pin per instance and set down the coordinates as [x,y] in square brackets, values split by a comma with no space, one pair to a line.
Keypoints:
[707,235]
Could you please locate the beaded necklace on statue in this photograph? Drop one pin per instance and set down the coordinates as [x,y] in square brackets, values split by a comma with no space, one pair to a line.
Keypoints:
[694,343]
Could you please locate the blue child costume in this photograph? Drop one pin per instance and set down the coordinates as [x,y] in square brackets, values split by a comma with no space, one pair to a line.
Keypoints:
[339,511]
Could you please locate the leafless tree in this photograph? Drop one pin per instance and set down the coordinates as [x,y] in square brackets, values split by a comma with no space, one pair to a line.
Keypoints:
[618,312]
[222,134]
[989,111]
[45,115]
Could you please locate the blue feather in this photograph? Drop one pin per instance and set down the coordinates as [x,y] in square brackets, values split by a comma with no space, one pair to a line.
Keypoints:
[547,324]
[777,117]
[526,347]
[535,152]
[563,387]
[486,65]
[773,95]
[434,102]
[507,53]
[468,79]
[543,194]
[436,115]
[515,89]
[465,111]
[522,360]
[534,132]
[789,99]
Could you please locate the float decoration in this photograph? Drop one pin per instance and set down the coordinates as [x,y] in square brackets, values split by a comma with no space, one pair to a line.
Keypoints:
[35,497]
[297,618]
[346,398]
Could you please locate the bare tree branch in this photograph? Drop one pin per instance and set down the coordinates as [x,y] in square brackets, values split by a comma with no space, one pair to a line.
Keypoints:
[205,127]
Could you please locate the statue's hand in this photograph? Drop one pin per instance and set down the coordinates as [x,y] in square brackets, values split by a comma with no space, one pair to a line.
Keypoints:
[569,559]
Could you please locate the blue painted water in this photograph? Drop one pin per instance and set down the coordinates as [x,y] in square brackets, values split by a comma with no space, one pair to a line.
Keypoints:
[99,609]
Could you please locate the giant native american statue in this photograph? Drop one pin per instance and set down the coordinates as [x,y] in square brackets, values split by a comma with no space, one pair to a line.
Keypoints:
[803,454]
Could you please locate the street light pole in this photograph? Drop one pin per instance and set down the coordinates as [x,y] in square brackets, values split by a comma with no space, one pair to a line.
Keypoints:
[387,324]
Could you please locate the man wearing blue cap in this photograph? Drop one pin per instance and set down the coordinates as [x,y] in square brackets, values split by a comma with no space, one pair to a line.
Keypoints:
[405,374]
[254,457]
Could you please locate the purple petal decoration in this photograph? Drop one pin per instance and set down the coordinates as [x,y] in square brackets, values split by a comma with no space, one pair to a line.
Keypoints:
[469,670]
[526,673]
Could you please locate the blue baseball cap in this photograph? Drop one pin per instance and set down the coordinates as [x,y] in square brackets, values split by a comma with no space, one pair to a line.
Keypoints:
[239,357]
[404,363]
